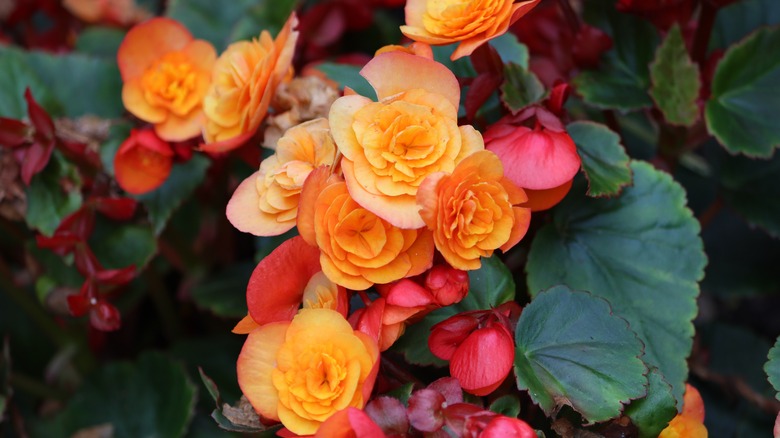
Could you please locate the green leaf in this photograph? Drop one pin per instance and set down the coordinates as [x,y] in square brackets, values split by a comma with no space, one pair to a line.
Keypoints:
[100,41]
[225,292]
[511,50]
[181,183]
[347,75]
[623,79]
[402,393]
[742,110]
[508,405]
[604,159]
[772,367]
[248,422]
[752,188]
[117,134]
[739,19]
[675,81]
[653,413]
[129,397]
[641,252]
[520,87]
[18,75]
[118,244]
[489,286]
[571,350]
[48,202]
[266,15]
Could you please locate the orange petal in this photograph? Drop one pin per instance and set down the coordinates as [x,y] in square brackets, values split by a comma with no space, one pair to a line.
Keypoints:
[176,128]
[255,365]
[147,42]
[312,187]
[245,326]
[394,72]
[135,102]
[201,55]
[340,119]
[139,169]
[693,405]
[540,200]
[400,211]
[522,222]
[414,12]
[226,145]
[243,212]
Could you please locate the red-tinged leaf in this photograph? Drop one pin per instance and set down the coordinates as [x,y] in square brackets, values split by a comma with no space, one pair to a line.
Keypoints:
[79,223]
[480,90]
[349,423]
[406,293]
[426,410]
[115,276]
[13,132]
[40,119]
[120,209]
[61,241]
[483,360]
[456,415]
[447,336]
[449,388]
[589,44]
[558,96]
[389,414]
[487,60]
[86,262]
[276,287]
[79,152]
[78,304]
[35,160]
[105,317]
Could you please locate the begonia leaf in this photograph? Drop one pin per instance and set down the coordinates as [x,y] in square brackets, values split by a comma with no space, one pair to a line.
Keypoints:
[738,19]
[641,251]
[120,245]
[604,159]
[510,49]
[128,396]
[48,200]
[571,350]
[742,110]
[209,20]
[348,75]
[752,188]
[652,413]
[675,80]
[490,286]
[508,405]
[224,293]
[623,78]
[117,134]
[270,16]
[772,367]
[100,41]
[184,178]
[520,87]
[18,76]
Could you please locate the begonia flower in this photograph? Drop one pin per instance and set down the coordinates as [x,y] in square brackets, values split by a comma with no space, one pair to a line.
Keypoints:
[357,247]
[143,162]
[166,73]
[689,423]
[390,146]
[243,83]
[492,425]
[473,211]
[349,423]
[301,372]
[472,23]
[266,203]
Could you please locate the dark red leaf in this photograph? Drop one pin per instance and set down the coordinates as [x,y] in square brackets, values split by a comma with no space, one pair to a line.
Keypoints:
[13,132]
[86,262]
[35,160]
[105,317]
[40,119]
[426,410]
[389,414]
[115,276]
[120,209]
[479,91]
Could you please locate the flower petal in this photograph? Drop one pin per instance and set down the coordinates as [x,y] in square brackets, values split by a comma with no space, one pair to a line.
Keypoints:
[147,42]
[255,364]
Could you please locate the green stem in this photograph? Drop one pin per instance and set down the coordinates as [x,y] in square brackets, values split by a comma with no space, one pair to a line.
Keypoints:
[701,39]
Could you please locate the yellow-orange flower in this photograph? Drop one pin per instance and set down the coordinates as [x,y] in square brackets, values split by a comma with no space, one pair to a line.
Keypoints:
[166,74]
[472,22]
[266,203]
[690,422]
[244,80]
[358,248]
[390,146]
[302,372]
[473,211]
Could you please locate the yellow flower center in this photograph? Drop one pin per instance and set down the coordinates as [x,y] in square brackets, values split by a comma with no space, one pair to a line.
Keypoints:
[169,81]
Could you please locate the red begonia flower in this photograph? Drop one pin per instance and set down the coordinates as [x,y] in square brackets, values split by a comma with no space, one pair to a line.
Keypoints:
[143,162]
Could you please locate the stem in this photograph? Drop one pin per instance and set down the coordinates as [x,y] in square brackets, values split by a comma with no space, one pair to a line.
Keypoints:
[703,32]
[735,384]
[709,214]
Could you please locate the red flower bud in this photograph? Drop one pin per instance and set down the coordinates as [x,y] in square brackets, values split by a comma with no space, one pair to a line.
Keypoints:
[116,208]
[484,359]
[447,284]
[500,426]
[143,162]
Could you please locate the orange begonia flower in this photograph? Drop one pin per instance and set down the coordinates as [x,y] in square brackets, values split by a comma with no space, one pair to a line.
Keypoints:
[472,22]
[243,83]
[166,74]
[358,248]
[390,146]
[143,162]
[303,372]
[266,203]
[690,422]
[473,210]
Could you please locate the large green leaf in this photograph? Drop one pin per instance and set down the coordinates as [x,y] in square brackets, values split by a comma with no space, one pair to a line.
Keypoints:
[510,49]
[675,80]
[623,78]
[738,19]
[100,41]
[742,110]
[347,75]
[641,251]
[604,159]
[772,367]
[489,286]
[752,188]
[653,413]
[181,183]
[18,75]
[48,200]
[119,244]
[224,293]
[520,87]
[150,398]
[264,15]
[571,350]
